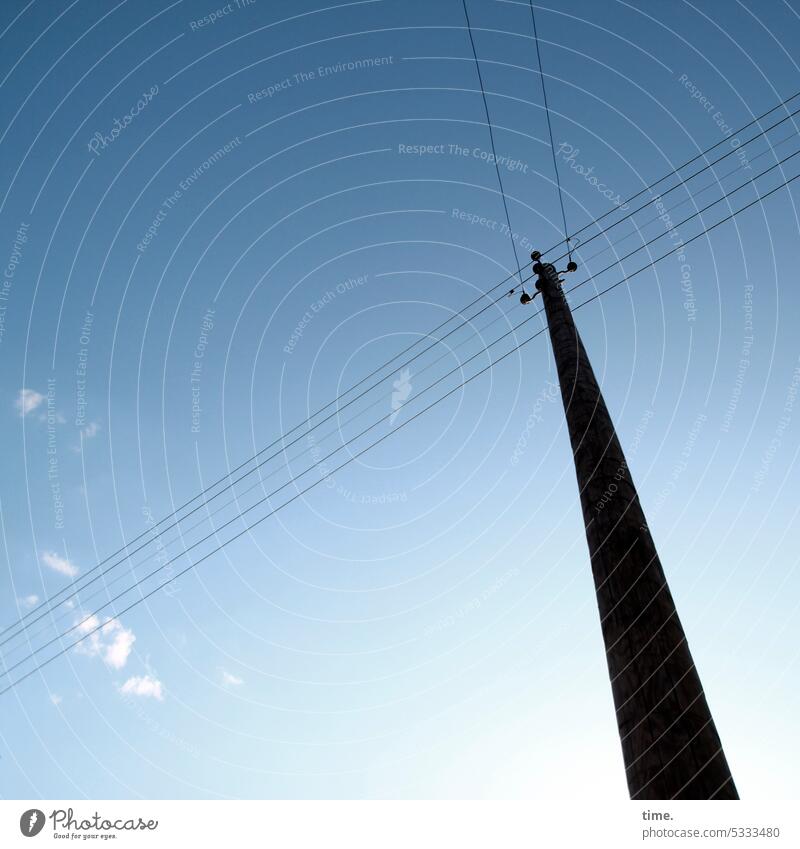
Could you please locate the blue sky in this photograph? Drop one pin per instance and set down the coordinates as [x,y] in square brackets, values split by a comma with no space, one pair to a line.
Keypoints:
[210,228]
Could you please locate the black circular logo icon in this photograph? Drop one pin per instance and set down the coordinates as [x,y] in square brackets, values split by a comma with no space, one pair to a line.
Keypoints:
[31,822]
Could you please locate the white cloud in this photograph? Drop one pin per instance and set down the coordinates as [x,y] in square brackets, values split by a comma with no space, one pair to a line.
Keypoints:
[230,680]
[28,400]
[116,654]
[56,699]
[143,685]
[90,430]
[112,642]
[59,564]
[29,601]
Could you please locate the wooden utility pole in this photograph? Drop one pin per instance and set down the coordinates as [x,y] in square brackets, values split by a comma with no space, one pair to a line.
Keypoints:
[669,741]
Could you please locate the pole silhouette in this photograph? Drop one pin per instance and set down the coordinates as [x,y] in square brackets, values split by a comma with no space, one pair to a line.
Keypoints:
[670,744]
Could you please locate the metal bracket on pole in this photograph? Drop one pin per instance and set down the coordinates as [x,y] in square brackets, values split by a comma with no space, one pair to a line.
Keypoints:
[544,270]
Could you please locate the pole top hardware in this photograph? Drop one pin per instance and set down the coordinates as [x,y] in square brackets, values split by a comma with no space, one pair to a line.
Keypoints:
[538,267]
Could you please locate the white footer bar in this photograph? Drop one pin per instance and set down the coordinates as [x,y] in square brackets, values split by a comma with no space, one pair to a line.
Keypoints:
[399,825]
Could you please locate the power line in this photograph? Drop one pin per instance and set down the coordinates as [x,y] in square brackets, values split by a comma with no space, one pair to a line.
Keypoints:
[700,155]
[293,479]
[715,184]
[353,418]
[681,184]
[150,531]
[281,439]
[683,244]
[217,510]
[205,502]
[491,140]
[694,215]
[207,489]
[236,536]
[597,295]
[469,339]
[550,131]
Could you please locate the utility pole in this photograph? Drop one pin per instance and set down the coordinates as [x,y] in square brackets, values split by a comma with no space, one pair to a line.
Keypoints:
[669,741]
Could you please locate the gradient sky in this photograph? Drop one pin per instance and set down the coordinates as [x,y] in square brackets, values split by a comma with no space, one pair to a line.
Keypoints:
[257,237]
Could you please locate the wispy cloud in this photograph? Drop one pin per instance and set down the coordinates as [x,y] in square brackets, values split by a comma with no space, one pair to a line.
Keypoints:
[91,430]
[402,389]
[29,601]
[56,699]
[145,686]
[59,564]
[229,679]
[28,400]
[112,642]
